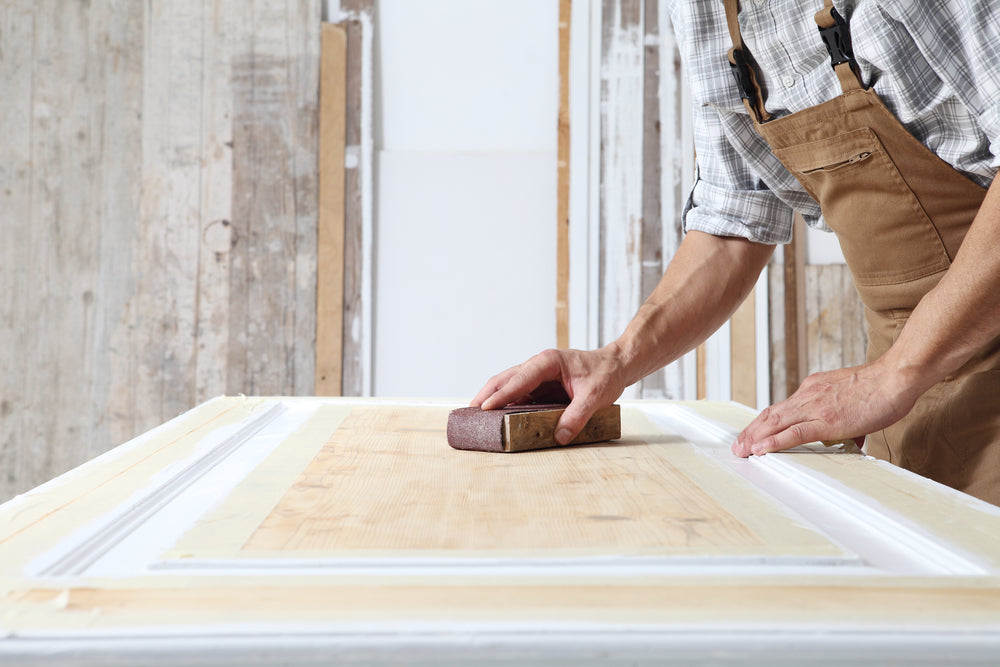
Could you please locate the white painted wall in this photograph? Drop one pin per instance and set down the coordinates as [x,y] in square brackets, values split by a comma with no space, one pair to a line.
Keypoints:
[823,248]
[465,133]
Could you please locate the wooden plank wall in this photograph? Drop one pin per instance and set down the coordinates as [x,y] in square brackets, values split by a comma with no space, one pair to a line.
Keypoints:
[646,168]
[832,328]
[562,178]
[157,216]
[622,106]
[357,18]
[330,235]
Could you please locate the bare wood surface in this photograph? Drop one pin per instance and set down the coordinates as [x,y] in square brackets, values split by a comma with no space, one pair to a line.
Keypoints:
[776,321]
[318,505]
[653,259]
[743,352]
[677,167]
[218,237]
[621,209]
[525,431]
[274,208]
[563,178]
[385,480]
[835,317]
[795,310]
[330,236]
[701,372]
[357,18]
[354,260]
[840,607]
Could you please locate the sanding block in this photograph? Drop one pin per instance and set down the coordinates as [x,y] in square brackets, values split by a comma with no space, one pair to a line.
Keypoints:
[519,428]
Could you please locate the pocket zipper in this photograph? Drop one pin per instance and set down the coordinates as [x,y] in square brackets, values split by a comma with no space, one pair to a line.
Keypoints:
[839,165]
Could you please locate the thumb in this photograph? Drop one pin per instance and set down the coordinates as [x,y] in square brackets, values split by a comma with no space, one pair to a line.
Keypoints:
[575,417]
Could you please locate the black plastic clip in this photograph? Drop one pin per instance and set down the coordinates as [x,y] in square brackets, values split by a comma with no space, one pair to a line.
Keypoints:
[741,72]
[838,41]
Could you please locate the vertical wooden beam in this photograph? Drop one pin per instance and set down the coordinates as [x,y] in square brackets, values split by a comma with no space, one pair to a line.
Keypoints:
[20,339]
[621,156]
[357,17]
[701,361]
[167,251]
[676,177]
[743,352]
[219,37]
[776,322]
[330,235]
[795,308]
[563,177]
[275,138]
[654,385]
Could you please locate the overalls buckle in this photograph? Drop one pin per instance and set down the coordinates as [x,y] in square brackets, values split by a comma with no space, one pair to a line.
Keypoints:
[741,72]
[838,41]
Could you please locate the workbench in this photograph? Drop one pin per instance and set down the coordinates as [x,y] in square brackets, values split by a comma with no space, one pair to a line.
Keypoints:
[315,531]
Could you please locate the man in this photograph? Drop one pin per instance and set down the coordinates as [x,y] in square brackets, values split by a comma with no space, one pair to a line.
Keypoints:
[895,147]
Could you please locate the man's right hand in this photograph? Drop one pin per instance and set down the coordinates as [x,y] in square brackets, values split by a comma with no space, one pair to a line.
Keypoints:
[590,380]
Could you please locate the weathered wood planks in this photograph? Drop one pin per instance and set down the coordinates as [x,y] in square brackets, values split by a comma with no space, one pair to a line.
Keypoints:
[158,216]
[357,17]
[330,243]
[563,180]
[831,332]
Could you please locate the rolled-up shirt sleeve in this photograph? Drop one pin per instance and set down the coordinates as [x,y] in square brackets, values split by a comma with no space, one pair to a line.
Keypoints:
[745,193]
[728,198]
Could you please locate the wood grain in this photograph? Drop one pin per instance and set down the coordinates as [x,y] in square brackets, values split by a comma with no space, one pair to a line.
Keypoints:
[653,258]
[906,607]
[835,319]
[743,352]
[795,309]
[525,431]
[387,482]
[272,309]
[563,179]
[621,205]
[357,18]
[158,207]
[330,242]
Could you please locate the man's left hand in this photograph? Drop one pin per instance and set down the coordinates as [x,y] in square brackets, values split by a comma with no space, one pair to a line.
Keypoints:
[834,405]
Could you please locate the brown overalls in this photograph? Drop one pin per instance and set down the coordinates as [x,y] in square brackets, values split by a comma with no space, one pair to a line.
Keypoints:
[900,214]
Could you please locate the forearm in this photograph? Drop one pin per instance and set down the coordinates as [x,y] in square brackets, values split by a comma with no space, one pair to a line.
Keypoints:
[704,283]
[960,316]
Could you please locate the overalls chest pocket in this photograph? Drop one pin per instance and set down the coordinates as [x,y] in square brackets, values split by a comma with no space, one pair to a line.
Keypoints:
[886,236]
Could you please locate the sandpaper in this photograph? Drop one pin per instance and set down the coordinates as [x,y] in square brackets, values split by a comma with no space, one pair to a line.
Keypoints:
[489,430]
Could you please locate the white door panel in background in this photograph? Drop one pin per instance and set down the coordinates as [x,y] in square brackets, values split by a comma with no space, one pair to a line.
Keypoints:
[465,233]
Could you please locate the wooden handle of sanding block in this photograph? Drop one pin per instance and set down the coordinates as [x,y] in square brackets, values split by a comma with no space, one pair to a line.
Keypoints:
[523,431]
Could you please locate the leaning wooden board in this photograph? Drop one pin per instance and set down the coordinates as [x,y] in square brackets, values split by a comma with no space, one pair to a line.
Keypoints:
[306,530]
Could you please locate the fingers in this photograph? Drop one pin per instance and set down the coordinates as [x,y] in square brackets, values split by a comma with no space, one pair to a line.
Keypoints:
[518,382]
[768,424]
[793,436]
[491,387]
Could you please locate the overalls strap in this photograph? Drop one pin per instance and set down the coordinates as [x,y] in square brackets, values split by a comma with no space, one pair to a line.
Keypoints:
[837,37]
[833,30]
[742,68]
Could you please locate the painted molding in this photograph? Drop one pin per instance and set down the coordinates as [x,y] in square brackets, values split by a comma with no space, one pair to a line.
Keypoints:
[116,528]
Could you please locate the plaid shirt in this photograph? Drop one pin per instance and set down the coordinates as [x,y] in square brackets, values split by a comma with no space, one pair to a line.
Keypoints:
[935,64]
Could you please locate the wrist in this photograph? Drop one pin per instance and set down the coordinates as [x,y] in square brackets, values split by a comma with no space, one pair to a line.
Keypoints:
[907,376]
[626,355]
